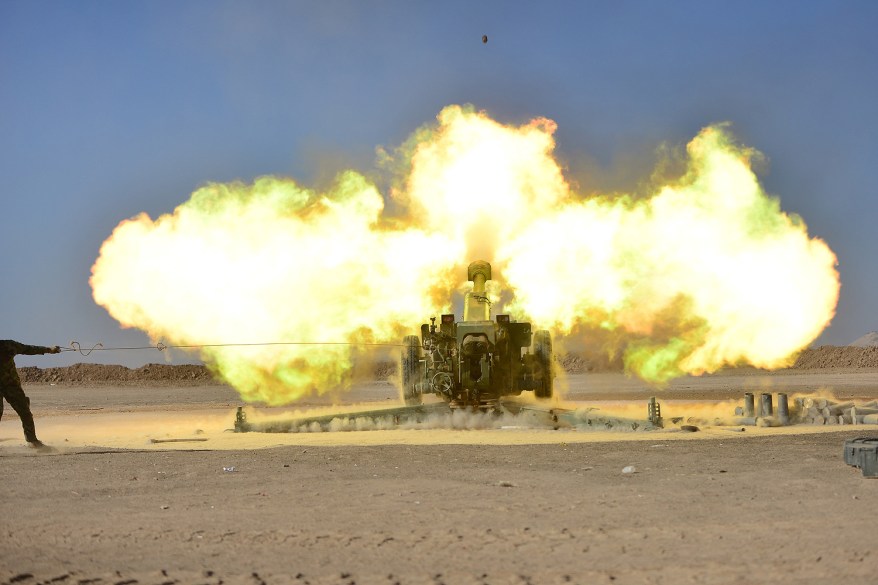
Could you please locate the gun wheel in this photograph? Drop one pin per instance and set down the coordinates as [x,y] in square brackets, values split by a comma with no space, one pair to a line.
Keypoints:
[410,370]
[544,364]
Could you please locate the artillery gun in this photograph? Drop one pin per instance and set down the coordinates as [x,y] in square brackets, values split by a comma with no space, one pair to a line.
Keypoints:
[477,363]
[474,362]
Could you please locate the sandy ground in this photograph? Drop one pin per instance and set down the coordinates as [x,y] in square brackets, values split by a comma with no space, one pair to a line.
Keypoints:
[444,505]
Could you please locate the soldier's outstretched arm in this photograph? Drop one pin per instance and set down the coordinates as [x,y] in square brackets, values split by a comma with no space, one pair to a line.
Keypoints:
[24,349]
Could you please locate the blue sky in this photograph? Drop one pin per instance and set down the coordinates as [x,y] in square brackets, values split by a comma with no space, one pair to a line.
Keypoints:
[109,108]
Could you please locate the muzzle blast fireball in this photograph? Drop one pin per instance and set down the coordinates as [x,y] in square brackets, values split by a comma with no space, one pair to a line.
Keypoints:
[704,270]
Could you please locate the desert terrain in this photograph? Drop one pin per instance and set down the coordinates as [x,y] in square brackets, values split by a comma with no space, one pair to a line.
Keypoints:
[145,484]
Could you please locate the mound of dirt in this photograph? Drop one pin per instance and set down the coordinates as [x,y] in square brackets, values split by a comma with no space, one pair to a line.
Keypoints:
[161,374]
[100,373]
[576,363]
[830,356]
[385,370]
[823,357]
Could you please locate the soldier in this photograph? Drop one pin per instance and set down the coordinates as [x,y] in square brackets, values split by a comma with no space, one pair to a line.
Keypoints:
[10,384]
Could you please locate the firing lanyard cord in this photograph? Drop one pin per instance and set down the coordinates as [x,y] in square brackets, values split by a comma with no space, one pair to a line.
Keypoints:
[76,346]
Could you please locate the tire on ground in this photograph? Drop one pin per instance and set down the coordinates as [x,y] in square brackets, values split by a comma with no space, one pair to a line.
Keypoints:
[545,362]
[410,369]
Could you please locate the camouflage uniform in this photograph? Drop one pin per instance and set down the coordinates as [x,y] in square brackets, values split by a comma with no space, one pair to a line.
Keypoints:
[10,383]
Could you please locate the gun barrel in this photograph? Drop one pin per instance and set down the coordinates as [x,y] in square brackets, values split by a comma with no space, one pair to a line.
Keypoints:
[476,306]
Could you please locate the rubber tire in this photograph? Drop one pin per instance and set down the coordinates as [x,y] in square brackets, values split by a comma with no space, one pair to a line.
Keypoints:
[410,370]
[545,363]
